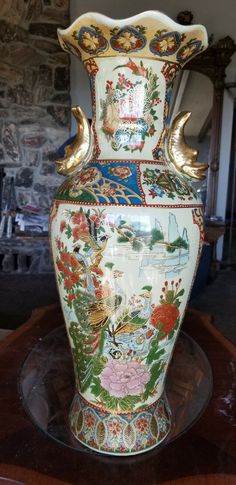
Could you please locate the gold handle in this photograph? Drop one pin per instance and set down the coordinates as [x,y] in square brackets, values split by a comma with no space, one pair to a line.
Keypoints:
[183,157]
[80,151]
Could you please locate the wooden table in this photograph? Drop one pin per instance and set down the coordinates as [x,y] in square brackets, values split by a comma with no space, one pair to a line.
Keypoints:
[206,454]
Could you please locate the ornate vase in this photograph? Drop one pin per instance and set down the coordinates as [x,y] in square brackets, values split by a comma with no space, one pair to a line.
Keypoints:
[126,228]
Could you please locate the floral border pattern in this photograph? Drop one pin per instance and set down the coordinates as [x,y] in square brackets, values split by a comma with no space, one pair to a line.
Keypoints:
[121,433]
[91,40]
[165,43]
[128,39]
[189,50]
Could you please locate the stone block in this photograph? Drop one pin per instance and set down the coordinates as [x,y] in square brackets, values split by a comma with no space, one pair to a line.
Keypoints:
[49,156]
[31,158]
[40,188]
[42,94]
[32,9]
[23,197]
[64,4]
[33,140]
[2,156]
[59,58]
[45,75]
[24,177]
[20,95]
[47,46]
[44,202]
[61,98]
[44,29]
[47,168]
[59,16]
[11,74]
[29,116]
[22,55]
[30,77]
[52,189]
[10,141]
[60,114]
[61,79]
[11,32]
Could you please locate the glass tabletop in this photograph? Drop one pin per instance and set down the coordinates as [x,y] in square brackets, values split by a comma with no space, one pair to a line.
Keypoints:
[46,384]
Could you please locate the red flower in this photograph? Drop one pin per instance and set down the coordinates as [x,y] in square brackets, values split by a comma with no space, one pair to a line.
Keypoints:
[78,217]
[67,271]
[58,243]
[74,277]
[166,315]
[95,282]
[89,175]
[103,292]
[68,283]
[81,222]
[65,257]
[62,226]
[90,420]
[98,271]
[151,131]
[121,172]
[73,262]
[76,232]
[71,297]
[142,424]
[60,265]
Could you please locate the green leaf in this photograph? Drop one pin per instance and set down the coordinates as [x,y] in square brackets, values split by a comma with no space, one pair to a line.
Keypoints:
[154,354]
[96,388]
[68,231]
[148,288]
[128,234]
[109,265]
[137,245]
[155,95]
[121,239]
[155,372]
[170,296]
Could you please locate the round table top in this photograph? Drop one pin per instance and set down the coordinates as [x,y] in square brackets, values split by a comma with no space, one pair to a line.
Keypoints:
[205,454]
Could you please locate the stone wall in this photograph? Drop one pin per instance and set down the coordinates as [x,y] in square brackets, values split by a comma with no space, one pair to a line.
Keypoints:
[34,95]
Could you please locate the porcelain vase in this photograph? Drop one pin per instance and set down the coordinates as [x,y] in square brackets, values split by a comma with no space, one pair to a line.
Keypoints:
[126,228]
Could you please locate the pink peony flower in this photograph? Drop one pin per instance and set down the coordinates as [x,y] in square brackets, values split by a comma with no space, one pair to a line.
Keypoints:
[124,378]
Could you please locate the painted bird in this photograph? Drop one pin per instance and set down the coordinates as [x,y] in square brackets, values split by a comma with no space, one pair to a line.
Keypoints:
[136,318]
[137,70]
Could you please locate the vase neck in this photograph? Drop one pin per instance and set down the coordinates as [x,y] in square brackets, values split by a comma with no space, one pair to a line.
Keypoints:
[130,100]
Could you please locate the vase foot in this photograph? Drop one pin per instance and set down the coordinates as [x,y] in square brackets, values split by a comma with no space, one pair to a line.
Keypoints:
[120,434]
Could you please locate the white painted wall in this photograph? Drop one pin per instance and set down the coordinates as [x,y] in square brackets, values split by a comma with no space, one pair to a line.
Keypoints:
[225,149]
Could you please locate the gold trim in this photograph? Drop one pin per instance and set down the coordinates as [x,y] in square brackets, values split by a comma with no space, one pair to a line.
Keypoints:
[183,157]
[80,151]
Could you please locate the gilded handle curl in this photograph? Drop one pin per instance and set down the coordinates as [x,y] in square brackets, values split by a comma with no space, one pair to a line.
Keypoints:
[80,151]
[183,157]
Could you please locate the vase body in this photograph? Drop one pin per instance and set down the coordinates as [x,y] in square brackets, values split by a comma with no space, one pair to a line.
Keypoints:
[126,236]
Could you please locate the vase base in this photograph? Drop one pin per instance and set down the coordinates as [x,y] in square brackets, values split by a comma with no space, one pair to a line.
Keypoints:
[120,434]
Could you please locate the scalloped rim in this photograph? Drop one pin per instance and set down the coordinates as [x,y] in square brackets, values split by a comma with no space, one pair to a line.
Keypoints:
[153,14]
